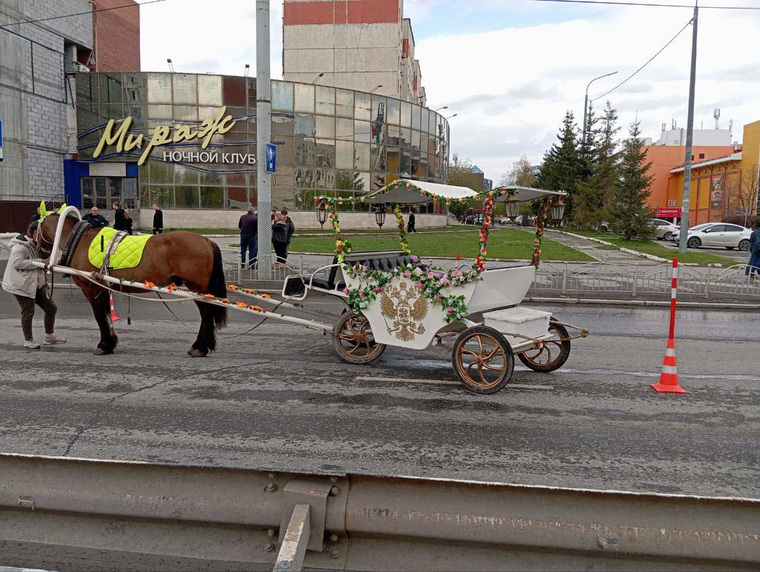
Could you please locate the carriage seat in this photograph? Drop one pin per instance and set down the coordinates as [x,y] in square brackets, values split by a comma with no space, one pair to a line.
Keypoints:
[375,260]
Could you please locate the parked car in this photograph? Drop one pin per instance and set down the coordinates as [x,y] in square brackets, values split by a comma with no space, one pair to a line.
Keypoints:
[663,229]
[504,220]
[729,236]
[604,226]
[675,237]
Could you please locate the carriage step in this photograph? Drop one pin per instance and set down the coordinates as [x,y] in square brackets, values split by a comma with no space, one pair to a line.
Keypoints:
[519,320]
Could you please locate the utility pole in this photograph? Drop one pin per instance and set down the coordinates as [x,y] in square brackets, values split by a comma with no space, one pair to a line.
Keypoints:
[585,104]
[684,231]
[263,135]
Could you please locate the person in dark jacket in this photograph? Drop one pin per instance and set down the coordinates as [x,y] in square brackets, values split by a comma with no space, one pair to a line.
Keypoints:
[249,236]
[119,220]
[127,222]
[753,266]
[291,229]
[280,238]
[158,219]
[95,219]
[27,283]
[412,222]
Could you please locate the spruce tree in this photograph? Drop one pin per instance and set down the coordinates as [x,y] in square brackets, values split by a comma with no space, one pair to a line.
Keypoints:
[596,193]
[629,212]
[561,168]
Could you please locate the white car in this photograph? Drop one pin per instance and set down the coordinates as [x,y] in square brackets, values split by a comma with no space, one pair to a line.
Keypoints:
[729,236]
[677,233]
[663,229]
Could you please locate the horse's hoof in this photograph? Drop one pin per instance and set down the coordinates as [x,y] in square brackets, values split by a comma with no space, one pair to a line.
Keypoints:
[101,352]
[196,353]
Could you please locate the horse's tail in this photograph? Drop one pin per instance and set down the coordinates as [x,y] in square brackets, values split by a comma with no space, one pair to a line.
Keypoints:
[218,287]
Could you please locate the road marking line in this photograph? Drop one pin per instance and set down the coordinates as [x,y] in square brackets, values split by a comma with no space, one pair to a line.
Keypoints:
[447,382]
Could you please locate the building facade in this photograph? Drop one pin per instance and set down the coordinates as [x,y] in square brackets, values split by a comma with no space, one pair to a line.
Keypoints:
[42,45]
[329,141]
[669,152]
[723,188]
[363,45]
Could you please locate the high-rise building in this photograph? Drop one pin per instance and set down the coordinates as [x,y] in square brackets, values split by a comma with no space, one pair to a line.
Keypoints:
[364,45]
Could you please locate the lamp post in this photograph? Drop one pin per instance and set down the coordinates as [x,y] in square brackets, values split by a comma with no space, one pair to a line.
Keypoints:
[321,214]
[450,116]
[380,216]
[376,87]
[247,69]
[585,103]
[439,108]
[316,79]
[171,65]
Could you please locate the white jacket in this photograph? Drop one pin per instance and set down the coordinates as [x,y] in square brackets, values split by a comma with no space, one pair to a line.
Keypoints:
[21,276]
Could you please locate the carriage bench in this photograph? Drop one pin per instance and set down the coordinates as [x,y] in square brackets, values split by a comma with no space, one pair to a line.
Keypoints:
[331,278]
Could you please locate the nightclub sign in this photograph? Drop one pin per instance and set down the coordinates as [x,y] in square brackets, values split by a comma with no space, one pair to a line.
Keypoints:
[125,142]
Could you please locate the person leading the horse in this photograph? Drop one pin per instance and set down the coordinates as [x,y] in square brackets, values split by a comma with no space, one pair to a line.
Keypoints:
[95,219]
[27,283]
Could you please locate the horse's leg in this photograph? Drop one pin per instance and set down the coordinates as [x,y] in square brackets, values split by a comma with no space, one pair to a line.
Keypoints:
[206,340]
[101,308]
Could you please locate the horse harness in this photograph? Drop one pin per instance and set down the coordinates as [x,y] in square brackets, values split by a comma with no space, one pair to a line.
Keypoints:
[77,233]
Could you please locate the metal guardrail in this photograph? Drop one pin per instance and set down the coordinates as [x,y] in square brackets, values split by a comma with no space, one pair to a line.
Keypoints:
[601,278]
[362,522]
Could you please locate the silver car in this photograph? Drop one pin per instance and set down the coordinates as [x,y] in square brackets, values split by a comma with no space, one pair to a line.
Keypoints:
[677,233]
[729,236]
[663,229]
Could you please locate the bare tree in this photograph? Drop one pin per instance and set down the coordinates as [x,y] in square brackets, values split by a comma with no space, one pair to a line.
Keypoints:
[521,174]
[748,191]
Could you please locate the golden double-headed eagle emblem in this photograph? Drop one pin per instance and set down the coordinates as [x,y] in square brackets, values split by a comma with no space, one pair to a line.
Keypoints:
[404,309]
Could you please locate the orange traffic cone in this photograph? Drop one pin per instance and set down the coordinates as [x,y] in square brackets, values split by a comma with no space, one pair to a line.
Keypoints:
[669,376]
[114,317]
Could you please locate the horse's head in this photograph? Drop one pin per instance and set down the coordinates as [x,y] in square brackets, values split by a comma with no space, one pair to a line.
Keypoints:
[46,233]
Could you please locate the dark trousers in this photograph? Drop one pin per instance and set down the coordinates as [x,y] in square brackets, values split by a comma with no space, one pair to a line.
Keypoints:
[157,230]
[753,266]
[281,250]
[27,311]
[249,243]
[410,228]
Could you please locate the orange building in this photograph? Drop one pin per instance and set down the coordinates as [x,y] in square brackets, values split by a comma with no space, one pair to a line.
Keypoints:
[722,187]
[664,158]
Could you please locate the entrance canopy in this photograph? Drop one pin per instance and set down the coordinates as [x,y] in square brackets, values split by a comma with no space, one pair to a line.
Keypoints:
[409,192]
[524,194]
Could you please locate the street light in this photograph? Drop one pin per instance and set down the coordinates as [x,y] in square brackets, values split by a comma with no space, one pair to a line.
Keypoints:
[321,214]
[376,87]
[439,108]
[585,104]
[450,116]
[380,216]
[247,69]
[171,66]
[316,79]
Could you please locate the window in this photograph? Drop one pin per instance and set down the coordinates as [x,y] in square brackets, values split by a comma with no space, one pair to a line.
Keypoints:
[701,155]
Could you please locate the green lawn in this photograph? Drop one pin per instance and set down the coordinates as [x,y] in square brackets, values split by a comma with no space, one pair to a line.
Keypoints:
[502,243]
[652,247]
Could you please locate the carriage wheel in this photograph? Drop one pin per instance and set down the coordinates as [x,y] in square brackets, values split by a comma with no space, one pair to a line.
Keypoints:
[483,359]
[354,341]
[552,354]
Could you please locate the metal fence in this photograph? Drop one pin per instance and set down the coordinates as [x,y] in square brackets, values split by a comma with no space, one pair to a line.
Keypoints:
[625,281]
[350,521]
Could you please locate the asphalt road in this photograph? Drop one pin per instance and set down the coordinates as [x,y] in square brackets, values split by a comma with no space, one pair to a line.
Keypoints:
[279,398]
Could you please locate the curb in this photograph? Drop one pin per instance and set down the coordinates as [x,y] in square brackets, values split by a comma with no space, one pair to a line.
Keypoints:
[647,303]
[620,248]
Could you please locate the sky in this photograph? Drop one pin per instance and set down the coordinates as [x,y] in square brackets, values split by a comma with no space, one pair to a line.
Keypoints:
[511,69]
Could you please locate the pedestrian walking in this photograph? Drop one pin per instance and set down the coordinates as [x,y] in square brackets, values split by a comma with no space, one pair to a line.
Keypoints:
[158,219]
[753,266]
[127,222]
[95,219]
[119,221]
[291,229]
[280,238]
[412,222]
[249,236]
[27,283]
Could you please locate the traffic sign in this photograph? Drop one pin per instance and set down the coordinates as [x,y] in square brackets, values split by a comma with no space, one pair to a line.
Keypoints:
[271,152]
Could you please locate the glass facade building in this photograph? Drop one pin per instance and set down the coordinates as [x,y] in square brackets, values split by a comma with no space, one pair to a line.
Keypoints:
[329,141]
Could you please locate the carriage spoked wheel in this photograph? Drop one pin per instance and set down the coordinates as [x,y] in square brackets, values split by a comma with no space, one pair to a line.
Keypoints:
[483,359]
[354,341]
[553,352]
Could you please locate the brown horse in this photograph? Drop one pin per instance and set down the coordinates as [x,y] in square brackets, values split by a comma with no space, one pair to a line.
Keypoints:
[178,257]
